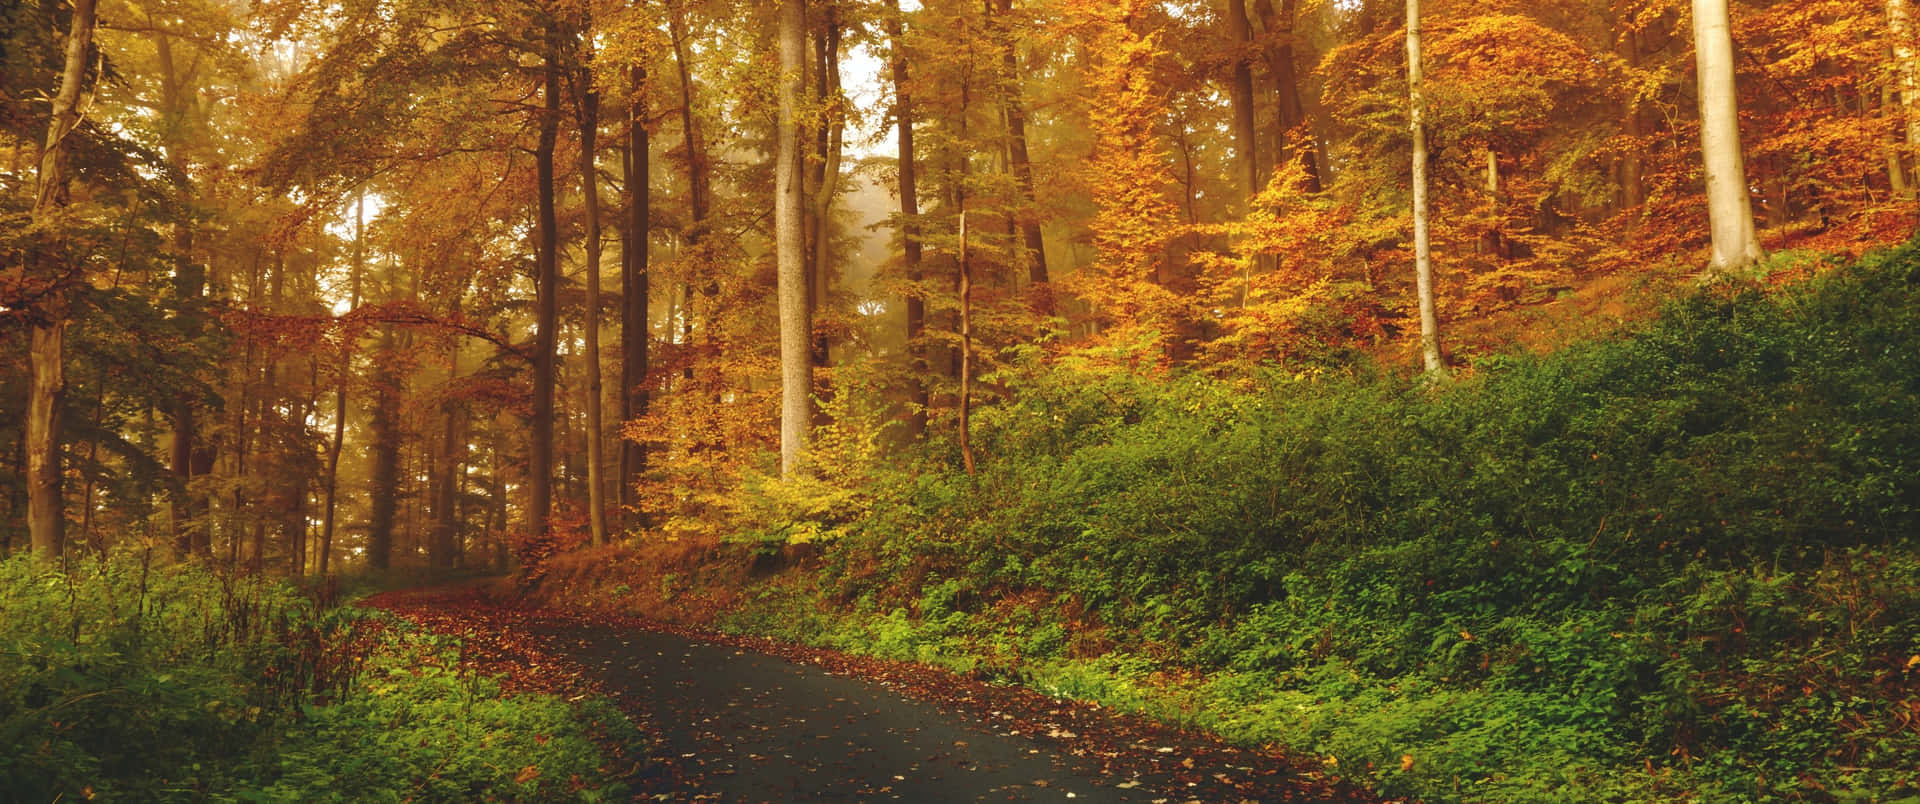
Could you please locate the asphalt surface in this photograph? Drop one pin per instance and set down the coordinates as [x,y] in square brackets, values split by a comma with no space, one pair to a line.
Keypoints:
[749,727]
[746,719]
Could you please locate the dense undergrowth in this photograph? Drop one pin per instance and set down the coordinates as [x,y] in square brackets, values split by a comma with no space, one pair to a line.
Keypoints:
[1679,562]
[125,681]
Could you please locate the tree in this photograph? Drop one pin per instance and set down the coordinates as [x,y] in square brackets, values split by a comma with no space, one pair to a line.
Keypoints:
[1907,70]
[796,331]
[546,295]
[1020,161]
[910,246]
[46,511]
[587,102]
[1422,250]
[635,337]
[1240,92]
[1729,205]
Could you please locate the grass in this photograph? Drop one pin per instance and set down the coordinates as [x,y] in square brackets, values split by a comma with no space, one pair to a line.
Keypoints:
[121,680]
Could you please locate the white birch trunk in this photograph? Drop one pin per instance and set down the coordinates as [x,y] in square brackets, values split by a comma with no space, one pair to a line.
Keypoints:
[1422,241]
[1729,206]
[1907,68]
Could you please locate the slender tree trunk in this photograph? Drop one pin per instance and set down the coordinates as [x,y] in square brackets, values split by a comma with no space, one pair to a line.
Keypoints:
[699,187]
[909,220]
[453,448]
[826,180]
[796,368]
[1907,67]
[1633,191]
[1240,94]
[590,193]
[46,356]
[966,349]
[546,309]
[325,560]
[634,337]
[1422,249]
[384,492]
[1729,204]
[1020,163]
[187,507]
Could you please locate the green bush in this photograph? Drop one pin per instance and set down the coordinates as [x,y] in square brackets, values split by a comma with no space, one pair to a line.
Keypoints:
[122,680]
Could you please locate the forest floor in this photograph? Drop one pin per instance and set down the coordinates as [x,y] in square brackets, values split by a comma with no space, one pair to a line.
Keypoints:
[748,719]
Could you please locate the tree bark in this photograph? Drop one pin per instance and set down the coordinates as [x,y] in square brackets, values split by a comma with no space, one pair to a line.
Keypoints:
[46,356]
[825,182]
[1289,112]
[384,491]
[1907,67]
[1240,94]
[966,349]
[441,552]
[590,194]
[325,560]
[1020,163]
[1422,247]
[909,220]
[187,507]
[1633,191]
[1729,204]
[796,367]
[634,337]
[546,309]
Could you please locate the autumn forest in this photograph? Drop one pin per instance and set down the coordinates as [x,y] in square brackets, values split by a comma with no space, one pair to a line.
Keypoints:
[1280,399]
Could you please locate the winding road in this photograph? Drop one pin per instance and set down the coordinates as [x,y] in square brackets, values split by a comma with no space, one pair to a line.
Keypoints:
[747,720]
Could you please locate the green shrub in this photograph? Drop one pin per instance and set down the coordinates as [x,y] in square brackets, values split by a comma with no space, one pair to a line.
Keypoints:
[1681,559]
[122,680]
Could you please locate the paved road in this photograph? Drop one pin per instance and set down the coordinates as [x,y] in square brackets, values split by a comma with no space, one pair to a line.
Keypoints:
[746,720]
[745,726]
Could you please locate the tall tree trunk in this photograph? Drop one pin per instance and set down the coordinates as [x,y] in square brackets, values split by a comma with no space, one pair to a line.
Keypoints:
[441,553]
[1729,205]
[46,356]
[825,182]
[1240,94]
[187,506]
[699,186]
[1633,191]
[1020,162]
[1422,248]
[909,220]
[966,349]
[634,265]
[590,194]
[1289,112]
[796,367]
[1907,67]
[384,490]
[325,560]
[546,309]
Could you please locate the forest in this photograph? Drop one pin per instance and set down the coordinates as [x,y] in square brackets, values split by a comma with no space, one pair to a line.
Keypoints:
[1280,399]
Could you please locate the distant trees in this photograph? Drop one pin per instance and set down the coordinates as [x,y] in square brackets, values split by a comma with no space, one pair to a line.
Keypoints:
[313,383]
